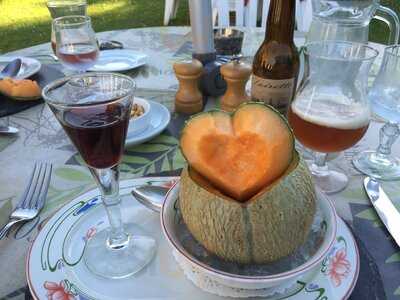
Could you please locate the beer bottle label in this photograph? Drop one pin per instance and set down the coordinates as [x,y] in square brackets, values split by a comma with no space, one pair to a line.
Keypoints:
[276,93]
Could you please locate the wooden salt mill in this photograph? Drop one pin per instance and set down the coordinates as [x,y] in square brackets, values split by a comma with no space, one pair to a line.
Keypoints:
[236,75]
[188,99]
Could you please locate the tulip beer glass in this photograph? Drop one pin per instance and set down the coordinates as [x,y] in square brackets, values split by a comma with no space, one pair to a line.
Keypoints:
[330,112]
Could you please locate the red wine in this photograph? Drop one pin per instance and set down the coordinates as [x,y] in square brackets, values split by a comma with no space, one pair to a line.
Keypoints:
[78,56]
[98,133]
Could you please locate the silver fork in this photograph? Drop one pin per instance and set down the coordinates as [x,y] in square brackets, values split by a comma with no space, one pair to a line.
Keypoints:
[33,198]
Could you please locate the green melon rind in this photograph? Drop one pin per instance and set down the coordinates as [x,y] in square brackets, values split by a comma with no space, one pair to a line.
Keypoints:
[231,114]
[271,225]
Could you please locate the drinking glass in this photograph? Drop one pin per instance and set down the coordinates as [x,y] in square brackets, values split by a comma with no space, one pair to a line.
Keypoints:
[94,110]
[76,44]
[385,101]
[61,8]
[330,112]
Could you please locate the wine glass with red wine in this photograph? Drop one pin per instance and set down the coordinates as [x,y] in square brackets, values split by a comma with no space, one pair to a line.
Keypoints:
[94,110]
[76,43]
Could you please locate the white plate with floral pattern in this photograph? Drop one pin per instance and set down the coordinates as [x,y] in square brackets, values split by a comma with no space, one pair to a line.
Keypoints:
[55,269]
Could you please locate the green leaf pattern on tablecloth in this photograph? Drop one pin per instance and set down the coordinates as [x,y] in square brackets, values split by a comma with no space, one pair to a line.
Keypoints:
[70,181]
[5,210]
[397,291]
[355,194]
[158,155]
[371,215]
[5,141]
[71,174]
[394,258]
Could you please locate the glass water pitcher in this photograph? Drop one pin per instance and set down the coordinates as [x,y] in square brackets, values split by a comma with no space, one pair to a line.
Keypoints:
[348,20]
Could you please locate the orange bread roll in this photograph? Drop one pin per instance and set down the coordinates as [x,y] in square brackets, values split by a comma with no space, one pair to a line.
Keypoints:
[20,88]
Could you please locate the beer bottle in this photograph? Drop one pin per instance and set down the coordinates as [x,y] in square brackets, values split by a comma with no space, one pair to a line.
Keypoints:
[276,63]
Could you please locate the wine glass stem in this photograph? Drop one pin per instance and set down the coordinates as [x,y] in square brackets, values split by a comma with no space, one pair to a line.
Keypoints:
[387,136]
[108,182]
[319,166]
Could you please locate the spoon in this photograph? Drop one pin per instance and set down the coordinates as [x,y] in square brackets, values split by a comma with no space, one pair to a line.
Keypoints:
[151,196]
[8,130]
[11,69]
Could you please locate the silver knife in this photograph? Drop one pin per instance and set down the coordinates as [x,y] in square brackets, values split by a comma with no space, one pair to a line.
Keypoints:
[388,213]
[8,130]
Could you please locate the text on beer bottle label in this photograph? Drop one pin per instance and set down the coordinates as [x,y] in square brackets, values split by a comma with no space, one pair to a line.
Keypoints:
[276,93]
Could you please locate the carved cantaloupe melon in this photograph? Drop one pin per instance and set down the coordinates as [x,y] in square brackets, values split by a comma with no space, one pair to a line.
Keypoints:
[271,225]
[260,226]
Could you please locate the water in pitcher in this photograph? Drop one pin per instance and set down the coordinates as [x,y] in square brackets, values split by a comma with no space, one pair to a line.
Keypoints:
[325,31]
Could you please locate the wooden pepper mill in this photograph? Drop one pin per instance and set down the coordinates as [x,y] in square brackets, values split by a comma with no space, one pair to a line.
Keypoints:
[188,99]
[236,75]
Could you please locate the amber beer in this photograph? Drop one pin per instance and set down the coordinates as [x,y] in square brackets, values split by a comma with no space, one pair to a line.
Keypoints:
[333,134]
[276,63]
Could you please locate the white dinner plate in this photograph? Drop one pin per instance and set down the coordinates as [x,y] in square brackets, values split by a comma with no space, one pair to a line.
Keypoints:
[54,265]
[29,66]
[119,60]
[160,117]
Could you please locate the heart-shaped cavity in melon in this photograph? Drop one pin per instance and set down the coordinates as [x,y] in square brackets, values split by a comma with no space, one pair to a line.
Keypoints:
[242,153]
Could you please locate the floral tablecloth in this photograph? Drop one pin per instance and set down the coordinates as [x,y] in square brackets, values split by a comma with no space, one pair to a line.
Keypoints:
[41,138]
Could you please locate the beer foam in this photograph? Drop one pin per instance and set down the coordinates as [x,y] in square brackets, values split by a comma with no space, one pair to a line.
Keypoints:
[334,112]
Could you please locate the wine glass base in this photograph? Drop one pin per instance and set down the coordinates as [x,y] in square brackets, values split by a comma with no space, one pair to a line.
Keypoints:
[384,167]
[330,182]
[122,262]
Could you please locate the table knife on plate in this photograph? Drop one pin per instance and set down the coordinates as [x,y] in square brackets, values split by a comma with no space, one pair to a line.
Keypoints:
[388,213]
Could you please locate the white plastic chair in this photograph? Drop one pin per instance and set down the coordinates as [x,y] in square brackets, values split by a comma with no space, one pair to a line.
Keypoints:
[245,15]
[170,10]
[248,15]
[303,15]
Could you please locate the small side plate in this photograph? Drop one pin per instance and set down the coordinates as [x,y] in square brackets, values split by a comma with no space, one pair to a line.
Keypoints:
[29,66]
[160,117]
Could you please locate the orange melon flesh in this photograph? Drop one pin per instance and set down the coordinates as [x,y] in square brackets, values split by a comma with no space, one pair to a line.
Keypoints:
[239,154]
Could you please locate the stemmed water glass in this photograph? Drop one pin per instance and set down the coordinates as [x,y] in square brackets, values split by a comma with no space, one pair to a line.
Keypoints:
[61,8]
[385,101]
[94,110]
[330,112]
[76,43]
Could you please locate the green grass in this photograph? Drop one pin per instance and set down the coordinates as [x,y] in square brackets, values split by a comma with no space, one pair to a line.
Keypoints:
[379,32]
[25,23]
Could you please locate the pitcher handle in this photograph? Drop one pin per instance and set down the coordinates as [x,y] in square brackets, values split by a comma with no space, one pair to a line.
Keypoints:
[394,24]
